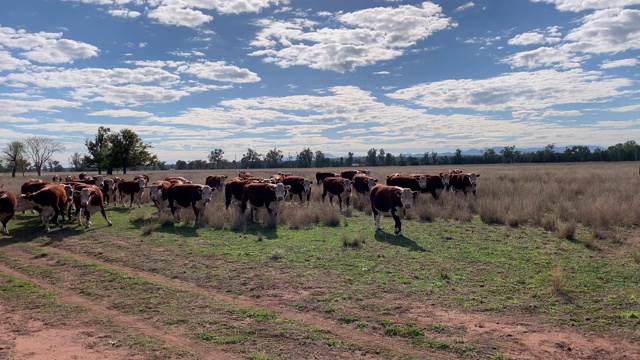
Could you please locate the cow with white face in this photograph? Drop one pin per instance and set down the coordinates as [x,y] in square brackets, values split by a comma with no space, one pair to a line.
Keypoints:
[158,194]
[464,183]
[182,196]
[337,186]
[263,195]
[89,200]
[299,185]
[390,199]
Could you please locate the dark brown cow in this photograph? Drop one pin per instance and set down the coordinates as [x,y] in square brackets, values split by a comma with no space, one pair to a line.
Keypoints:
[320,176]
[413,183]
[158,194]
[50,200]
[215,181]
[349,174]
[263,195]
[233,190]
[109,190]
[362,183]
[189,195]
[388,199]
[337,186]
[298,186]
[134,189]
[82,175]
[8,204]
[463,182]
[435,184]
[89,200]
[56,178]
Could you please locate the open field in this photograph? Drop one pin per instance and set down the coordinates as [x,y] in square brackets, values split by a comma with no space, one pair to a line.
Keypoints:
[543,264]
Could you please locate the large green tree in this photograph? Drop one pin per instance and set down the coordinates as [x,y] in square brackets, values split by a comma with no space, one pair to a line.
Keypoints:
[251,159]
[215,158]
[98,149]
[40,149]
[14,153]
[305,158]
[273,158]
[128,150]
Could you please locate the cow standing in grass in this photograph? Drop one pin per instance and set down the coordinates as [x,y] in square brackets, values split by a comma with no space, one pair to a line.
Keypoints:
[195,196]
[259,195]
[88,201]
[8,204]
[389,199]
[336,186]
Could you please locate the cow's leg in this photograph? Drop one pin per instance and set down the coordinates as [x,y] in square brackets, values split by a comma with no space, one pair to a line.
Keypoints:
[196,213]
[254,211]
[87,216]
[46,215]
[308,196]
[139,198]
[340,201]
[104,215]
[133,195]
[348,199]
[324,194]
[396,218]
[376,216]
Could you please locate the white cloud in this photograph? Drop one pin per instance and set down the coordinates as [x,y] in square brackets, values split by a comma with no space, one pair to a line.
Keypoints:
[516,91]
[121,113]
[9,63]
[544,56]
[606,31]
[364,37]
[628,108]
[46,48]
[561,113]
[124,13]
[552,36]
[464,7]
[176,14]
[582,5]
[381,73]
[219,71]
[611,64]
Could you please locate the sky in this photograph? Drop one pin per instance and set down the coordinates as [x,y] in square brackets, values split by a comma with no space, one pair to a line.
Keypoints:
[191,76]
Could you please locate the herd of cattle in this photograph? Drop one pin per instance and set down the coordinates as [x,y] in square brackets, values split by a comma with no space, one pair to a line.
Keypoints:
[86,195]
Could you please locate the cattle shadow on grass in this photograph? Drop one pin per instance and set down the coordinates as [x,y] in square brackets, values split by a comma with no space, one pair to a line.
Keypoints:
[31,229]
[403,241]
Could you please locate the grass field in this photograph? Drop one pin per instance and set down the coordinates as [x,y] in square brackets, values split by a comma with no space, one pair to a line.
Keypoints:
[543,263]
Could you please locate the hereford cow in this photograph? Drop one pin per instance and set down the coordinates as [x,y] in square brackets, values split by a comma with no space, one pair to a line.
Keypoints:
[82,175]
[189,195]
[298,186]
[415,183]
[89,200]
[50,200]
[215,181]
[8,204]
[337,186]
[134,189]
[233,190]
[97,180]
[464,182]
[244,175]
[142,176]
[56,178]
[387,199]
[320,176]
[435,184]
[109,191]
[260,194]
[70,178]
[177,179]
[158,194]
[349,174]
[362,183]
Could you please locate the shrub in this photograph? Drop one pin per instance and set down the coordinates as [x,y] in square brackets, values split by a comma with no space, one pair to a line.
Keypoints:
[356,242]
[557,278]
[569,231]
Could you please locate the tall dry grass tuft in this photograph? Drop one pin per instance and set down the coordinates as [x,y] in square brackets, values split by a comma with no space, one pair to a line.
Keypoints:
[356,242]
[425,211]
[492,212]
[568,231]
[557,280]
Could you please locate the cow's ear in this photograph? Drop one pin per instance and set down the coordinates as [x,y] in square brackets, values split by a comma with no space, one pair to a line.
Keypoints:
[399,193]
[301,181]
[311,181]
[287,187]
[415,194]
[477,175]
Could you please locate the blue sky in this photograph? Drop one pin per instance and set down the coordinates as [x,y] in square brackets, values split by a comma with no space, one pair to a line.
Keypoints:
[190,76]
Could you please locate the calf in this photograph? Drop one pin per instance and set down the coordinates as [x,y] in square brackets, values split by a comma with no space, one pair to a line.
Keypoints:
[233,191]
[298,185]
[435,184]
[349,174]
[56,178]
[261,194]
[387,199]
[215,181]
[336,186]
[89,200]
[8,204]
[109,191]
[320,176]
[134,189]
[414,183]
[50,200]
[362,183]
[158,194]
[464,183]
[195,196]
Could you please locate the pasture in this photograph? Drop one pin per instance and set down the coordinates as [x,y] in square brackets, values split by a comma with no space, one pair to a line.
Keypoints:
[543,264]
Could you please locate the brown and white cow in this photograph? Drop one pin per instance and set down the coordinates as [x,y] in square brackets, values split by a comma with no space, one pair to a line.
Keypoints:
[435,184]
[109,191]
[415,183]
[56,178]
[337,186]
[233,190]
[263,195]
[89,200]
[362,183]
[177,179]
[215,181]
[133,189]
[97,180]
[349,174]
[158,194]
[389,199]
[244,175]
[142,176]
[70,178]
[8,204]
[321,175]
[298,186]
[50,200]
[464,182]
[182,196]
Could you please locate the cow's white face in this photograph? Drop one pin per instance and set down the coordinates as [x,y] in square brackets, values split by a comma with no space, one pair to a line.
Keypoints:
[141,183]
[155,192]
[85,196]
[473,178]
[407,197]
[347,186]
[207,193]
[68,189]
[306,184]
[280,190]
[422,181]
[99,179]
[445,179]
[24,203]
[223,179]
[111,184]
[371,182]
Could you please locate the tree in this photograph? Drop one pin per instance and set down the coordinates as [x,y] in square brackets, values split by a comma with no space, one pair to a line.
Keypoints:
[215,158]
[40,149]
[319,159]
[251,159]
[489,156]
[77,160]
[14,153]
[389,159]
[181,165]
[457,157]
[425,158]
[508,153]
[381,157]
[273,158]
[349,160]
[305,158]
[98,149]
[128,150]
[434,157]
[371,159]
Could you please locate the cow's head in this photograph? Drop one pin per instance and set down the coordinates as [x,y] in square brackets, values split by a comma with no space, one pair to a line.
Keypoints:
[473,178]
[111,184]
[280,190]
[68,189]
[306,185]
[155,192]
[346,186]
[85,196]
[206,192]
[445,179]
[99,179]
[371,182]
[223,179]
[407,197]
[25,202]
[141,182]
[422,181]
